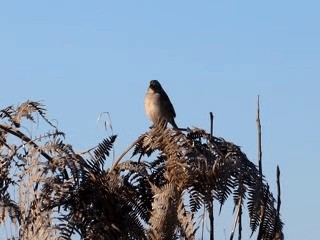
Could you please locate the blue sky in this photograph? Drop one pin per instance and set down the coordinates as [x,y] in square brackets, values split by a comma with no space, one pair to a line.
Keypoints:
[87,57]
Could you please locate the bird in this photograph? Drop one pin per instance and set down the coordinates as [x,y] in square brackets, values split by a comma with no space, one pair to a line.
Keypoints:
[158,106]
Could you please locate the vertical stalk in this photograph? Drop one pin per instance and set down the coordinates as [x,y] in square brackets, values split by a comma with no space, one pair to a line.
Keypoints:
[211,125]
[240,223]
[237,218]
[279,191]
[265,195]
[211,218]
[277,220]
[259,137]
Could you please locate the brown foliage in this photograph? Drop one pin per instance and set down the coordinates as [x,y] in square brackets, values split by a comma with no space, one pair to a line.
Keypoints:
[48,191]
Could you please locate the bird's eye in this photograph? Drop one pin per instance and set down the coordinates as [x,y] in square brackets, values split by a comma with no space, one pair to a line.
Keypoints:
[153,83]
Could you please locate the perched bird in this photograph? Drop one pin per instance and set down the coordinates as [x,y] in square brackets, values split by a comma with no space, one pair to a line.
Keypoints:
[158,106]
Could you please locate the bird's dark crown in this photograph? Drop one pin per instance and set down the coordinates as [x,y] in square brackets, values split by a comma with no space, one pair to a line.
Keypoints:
[155,85]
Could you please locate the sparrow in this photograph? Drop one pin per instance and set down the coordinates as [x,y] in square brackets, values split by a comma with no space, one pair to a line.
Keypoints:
[158,105]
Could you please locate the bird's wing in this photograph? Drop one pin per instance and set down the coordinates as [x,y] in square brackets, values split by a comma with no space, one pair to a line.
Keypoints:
[167,104]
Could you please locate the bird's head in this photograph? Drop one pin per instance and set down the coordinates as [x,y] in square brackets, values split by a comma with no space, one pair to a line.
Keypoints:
[155,86]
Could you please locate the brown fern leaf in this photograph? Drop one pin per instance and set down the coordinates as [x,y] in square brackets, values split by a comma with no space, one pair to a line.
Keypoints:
[26,109]
[163,220]
[102,151]
[134,200]
[187,225]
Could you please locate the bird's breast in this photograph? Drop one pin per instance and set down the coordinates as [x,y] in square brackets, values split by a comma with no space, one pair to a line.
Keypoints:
[153,106]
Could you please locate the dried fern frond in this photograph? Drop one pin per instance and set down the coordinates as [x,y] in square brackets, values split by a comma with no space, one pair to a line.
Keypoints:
[187,224]
[7,113]
[209,168]
[9,208]
[62,193]
[102,151]
[164,217]
[25,110]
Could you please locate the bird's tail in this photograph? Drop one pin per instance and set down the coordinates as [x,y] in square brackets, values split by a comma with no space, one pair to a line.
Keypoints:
[173,123]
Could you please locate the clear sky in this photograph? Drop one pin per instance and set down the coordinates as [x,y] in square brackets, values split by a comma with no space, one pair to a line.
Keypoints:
[87,57]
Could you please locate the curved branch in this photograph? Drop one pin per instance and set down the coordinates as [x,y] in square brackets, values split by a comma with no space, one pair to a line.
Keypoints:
[28,140]
[24,138]
[125,152]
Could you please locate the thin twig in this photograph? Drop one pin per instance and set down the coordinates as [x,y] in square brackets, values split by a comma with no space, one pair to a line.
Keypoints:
[2,142]
[125,152]
[240,223]
[88,150]
[264,203]
[211,125]
[279,191]
[107,123]
[236,218]
[203,220]
[28,140]
[24,138]
[211,219]
[211,216]
[277,220]
[259,137]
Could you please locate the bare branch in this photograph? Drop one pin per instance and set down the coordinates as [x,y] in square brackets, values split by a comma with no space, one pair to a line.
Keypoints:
[211,124]
[125,152]
[24,138]
[259,136]
[237,217]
